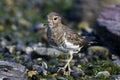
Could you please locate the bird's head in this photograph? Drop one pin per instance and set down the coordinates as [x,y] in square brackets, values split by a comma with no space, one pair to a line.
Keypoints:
[53,19]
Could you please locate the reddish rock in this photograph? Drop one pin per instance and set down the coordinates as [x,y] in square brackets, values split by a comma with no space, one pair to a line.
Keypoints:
[108,26]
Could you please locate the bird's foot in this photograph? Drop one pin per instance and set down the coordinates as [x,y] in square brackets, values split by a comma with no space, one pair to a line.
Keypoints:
[66,70]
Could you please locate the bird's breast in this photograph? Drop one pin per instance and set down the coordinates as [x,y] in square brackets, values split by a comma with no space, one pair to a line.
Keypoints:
[55,35]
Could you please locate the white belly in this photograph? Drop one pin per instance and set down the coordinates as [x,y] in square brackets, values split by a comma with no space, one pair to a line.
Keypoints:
[70,45]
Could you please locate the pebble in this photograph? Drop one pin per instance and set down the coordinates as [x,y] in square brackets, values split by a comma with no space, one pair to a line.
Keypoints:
[98,52]
[31,73]
[53,61]
[53,69]
[38,26]
[9,37]
[28,50]
[40,66]
[52,78]
[34,77]
[117,77]
[117,61]
[61,78]
[114,57]
[106,74]
[12,70]
[76,72]
[6,79]
[3,43]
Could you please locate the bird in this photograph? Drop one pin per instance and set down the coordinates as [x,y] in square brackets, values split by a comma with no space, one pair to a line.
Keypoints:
[62,37]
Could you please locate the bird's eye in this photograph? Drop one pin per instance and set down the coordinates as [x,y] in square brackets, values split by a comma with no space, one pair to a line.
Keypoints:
[55,18]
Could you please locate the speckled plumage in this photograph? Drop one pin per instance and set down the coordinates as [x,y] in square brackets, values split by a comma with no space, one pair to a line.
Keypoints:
[62,37]
[58,33]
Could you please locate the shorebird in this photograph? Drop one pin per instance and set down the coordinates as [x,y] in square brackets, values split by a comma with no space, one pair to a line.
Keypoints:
[63,38]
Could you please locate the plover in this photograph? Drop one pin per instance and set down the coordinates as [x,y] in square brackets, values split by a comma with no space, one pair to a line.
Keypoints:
[62,37]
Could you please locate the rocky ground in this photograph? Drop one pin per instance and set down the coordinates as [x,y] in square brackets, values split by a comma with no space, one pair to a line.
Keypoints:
[26,55]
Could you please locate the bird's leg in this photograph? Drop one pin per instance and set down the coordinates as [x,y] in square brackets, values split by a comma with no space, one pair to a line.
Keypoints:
[67,65]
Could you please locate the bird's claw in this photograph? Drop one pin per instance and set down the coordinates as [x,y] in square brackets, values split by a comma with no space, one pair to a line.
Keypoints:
[64,70]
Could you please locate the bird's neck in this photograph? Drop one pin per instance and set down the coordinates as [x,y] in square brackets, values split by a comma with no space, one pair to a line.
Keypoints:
[55,25]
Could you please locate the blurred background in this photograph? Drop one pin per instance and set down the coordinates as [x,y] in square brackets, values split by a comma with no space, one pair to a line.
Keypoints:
[17,17]
[22,27]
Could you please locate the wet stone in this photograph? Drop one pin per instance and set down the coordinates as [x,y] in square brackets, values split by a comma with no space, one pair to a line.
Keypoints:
[3,43]
[53,61]
[12,71]
[38,26]
[76,72]
[108,27]
[52,78]
[40,69]
[61,78]
[8,37]
[98,52]
[106,74]
[53,69]
[34,77]
[117,77]
[6,79]
[117,62]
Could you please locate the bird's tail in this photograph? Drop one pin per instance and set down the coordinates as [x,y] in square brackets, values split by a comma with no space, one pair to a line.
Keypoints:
[89,40]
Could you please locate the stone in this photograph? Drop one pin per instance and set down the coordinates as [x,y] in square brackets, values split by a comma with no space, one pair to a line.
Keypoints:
[117,62]
[108,26]
[117,77]
[44,51]
[9,37]
[12,71]
[98,52]
[31,73]
[106,74]
[76,72]
[61,78]
[40,69]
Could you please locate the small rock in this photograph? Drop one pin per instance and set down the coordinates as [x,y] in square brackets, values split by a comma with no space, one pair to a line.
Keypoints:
[1,27]
[52,78]
[61,78]
[108,26]
[31,73]
[12,48]
[117,77]
[85,25]
[83,60]
[34,77]
[106,74]
[8,37]
[53,61]
[24,22]
[115,57]
[38,26]
[98,52]
[53,69]
[117,61]
[44,65]
[28,50]
[6,79]
[26,58]
[40,66]
[40,69]
[76,72]
[12,71]
[3,43]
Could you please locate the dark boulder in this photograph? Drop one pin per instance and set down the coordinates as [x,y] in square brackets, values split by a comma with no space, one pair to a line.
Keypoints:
[12,71]
[108,26]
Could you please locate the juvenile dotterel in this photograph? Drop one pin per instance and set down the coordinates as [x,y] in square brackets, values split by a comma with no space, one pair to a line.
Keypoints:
[62,37]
